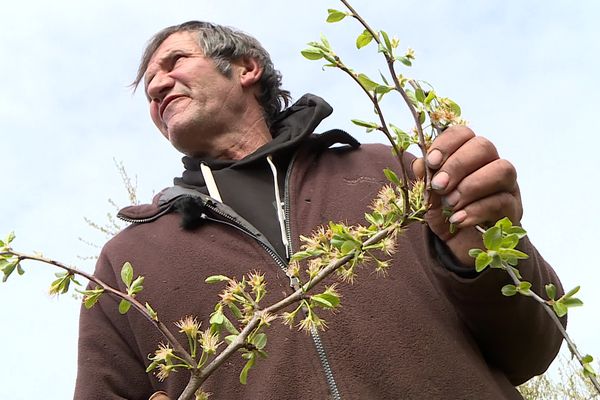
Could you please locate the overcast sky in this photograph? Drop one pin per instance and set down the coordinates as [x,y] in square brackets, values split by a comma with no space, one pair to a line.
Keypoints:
[524,72]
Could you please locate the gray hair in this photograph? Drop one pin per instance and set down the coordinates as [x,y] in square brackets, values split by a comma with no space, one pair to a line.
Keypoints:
[224,45]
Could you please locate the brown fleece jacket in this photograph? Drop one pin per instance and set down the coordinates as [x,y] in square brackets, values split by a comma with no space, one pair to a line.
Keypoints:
[423,332]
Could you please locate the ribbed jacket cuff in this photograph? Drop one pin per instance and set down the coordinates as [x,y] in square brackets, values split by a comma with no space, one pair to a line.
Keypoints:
[447,259]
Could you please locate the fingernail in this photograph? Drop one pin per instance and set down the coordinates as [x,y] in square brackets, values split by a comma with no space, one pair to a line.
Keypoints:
[440,181]
[452,199]
[434,158]
[458,217]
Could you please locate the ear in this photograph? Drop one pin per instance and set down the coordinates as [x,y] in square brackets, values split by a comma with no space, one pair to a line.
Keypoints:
[250,71]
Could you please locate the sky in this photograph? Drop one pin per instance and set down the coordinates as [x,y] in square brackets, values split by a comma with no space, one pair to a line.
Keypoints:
[524,73]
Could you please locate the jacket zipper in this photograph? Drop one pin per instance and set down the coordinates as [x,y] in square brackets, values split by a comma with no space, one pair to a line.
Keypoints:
[144,220]
[333,389]
[329,378]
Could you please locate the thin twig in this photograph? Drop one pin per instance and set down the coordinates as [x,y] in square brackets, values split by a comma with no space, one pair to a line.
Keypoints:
[415,114]
[572,346]
[570,343]
[136,304]
[199,376]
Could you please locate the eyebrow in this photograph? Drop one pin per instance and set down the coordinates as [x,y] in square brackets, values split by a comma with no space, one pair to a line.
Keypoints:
[169,54]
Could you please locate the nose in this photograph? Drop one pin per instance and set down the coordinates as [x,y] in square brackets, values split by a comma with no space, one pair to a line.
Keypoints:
[159,86]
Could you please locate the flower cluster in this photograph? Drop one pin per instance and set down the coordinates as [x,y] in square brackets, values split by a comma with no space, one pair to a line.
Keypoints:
[446,114]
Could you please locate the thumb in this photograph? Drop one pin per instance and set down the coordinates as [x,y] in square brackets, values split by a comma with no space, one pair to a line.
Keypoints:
[159,396]
[418,168]
[435,217]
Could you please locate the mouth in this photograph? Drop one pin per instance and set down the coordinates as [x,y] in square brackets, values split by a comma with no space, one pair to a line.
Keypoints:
[165,103]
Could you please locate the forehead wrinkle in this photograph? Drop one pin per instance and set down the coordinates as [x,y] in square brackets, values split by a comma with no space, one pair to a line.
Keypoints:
[175,48]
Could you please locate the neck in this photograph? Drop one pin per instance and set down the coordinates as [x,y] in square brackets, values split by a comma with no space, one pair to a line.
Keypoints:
[246,141]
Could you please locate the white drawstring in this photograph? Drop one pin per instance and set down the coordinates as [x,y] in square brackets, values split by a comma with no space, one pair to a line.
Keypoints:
[280,211]
[211,185]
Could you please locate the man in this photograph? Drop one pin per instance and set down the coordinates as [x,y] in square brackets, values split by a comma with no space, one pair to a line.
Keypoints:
[434,329]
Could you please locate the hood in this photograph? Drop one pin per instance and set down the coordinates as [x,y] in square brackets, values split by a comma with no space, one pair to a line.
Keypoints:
[292,126]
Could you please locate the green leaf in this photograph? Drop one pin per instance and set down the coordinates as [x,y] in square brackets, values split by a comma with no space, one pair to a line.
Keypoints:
[509,290]
[383,89]
[9,238]
[524,288]
[363,39]
[370,219]
[151,311]
[348,246]
[235,310]
[300,255]
[496,260]
[217,318]
[335,15]
[512,253]
[551,291]
[475,252]
[326,300]
[492,238]
[420,95]
[430,96]
[216,278]
[510,241]
[249,364]
[124,306]
[560,309]
[386,40]
[572,292]
[421,117]
[91,297]
[516,230]
[369,125]
[152,366]
[325,42]
[404,60]
[230,338]
[8,269]
[504,223]
[60,285]
[383,78]
[392,177]
[127,274]
[229,326]
[366,82]
[402,138]
[482,261]
[454,107]
[312,54]
[411,96]
[21,271]
[259,340]
[136,286]
[588,370]
[572,302]
[375,218]
[322,302]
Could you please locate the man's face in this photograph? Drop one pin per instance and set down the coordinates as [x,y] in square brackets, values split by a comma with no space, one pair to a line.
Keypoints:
[191,102]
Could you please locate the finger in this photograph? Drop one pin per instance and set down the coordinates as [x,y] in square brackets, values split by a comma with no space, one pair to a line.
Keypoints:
[418,168]
[447,143]
[159,396]
[467,159]
[495,177]
[488,210]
